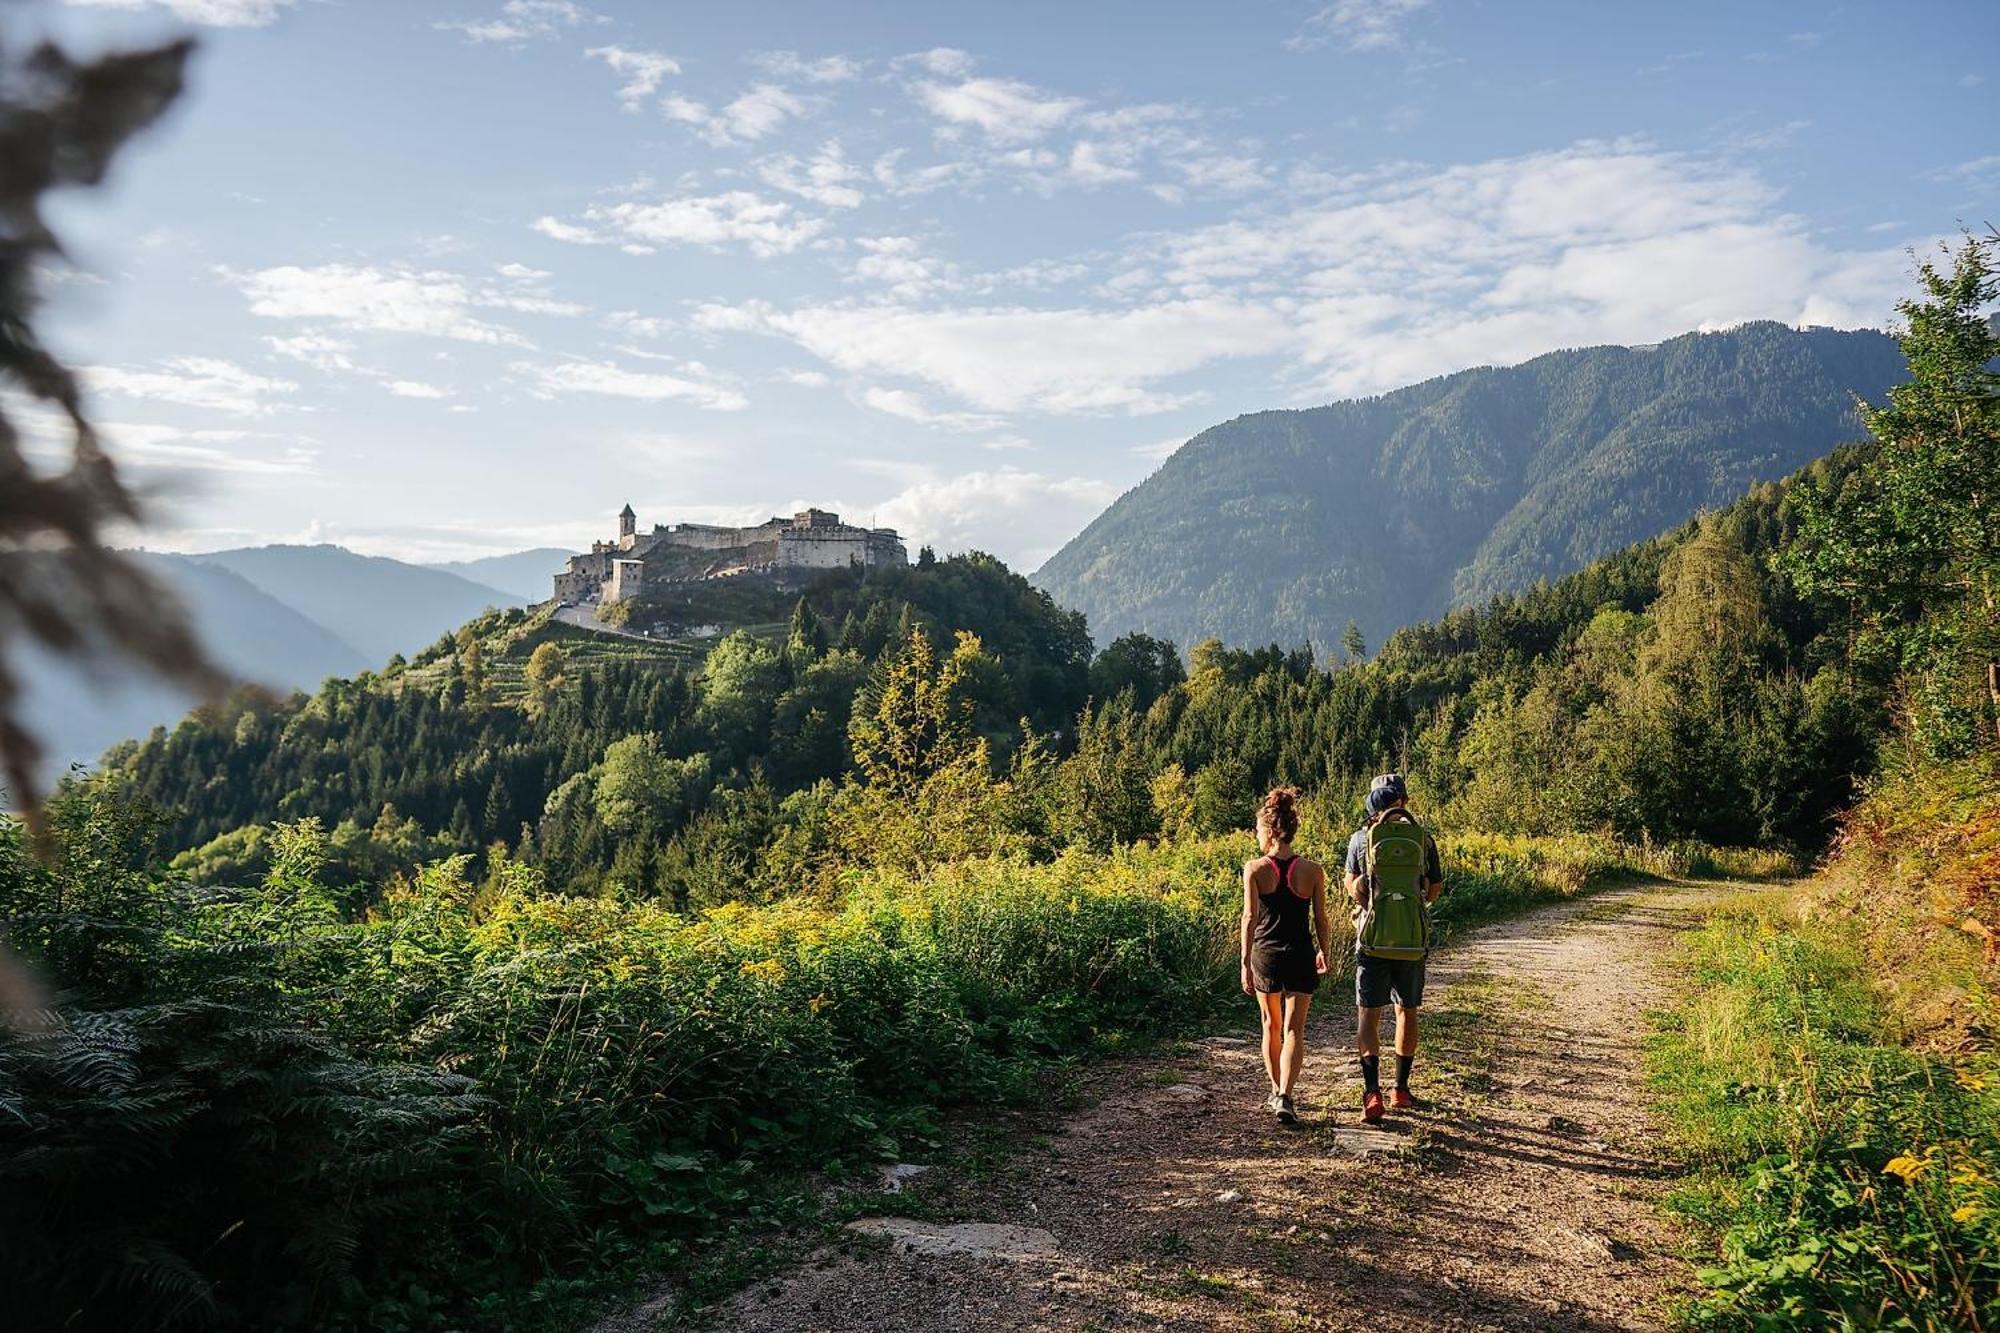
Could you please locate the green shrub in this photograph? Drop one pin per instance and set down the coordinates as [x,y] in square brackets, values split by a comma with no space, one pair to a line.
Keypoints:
[1843,1181]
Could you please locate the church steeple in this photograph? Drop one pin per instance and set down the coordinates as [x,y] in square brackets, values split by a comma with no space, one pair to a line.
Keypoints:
[628,524]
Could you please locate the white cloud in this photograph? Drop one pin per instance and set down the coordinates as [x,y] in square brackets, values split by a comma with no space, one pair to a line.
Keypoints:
[911,407]
[738,217]
[806,379]
[611,380]
[1384,279]
[1159,450]
[643,72]
[1390,280]
[203,382]
[1022,517]
[319,350]
[1982,173]
[828,179]
[416,389]
[209,13]
[1007,111]
[755,114]
[791,65]
[893,177]
[1357,25]
[947,62]
[637,325]
[900,264]
[171,447]
[524,21]
[1012,358]
[389,300]
[557,230]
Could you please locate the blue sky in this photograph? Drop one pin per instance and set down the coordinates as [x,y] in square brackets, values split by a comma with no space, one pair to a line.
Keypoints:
[444,279]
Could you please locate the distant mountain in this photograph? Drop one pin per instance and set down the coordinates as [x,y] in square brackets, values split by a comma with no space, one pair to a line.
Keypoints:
[80,714]
[523,573]
[1279,526]
[379,606]
[286,617]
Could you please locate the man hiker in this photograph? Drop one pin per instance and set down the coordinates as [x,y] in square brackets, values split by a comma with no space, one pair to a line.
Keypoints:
[1393,876]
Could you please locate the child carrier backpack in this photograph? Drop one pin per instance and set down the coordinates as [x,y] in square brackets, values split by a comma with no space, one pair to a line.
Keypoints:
[1396,923]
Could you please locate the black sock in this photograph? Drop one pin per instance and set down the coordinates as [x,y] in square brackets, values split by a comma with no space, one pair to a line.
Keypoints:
[1403,1063]
[1371,1072]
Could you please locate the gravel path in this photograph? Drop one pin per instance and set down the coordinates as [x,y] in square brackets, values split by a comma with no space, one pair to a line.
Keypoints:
[1520,1197]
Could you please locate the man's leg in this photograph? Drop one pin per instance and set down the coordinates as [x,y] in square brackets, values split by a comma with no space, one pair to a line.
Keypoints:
[1296,1007]
[1369,1041]
[1409,995]
[1271,1005]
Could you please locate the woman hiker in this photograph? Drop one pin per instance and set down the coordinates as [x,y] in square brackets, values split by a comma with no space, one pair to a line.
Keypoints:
[1285,934]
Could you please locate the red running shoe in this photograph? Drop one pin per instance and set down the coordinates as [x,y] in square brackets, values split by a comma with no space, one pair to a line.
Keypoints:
[1371,1107]
[1401,1099]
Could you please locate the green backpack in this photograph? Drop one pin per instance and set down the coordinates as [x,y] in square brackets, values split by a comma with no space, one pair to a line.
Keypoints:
[1395,923]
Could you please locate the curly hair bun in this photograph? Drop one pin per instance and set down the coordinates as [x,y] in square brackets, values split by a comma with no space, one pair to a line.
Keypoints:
[1280,812]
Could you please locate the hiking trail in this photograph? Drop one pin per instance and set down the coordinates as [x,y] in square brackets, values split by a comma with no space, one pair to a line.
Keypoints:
[1521,1195]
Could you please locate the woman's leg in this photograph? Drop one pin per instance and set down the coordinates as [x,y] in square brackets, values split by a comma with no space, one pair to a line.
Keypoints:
[1296,1008]
[1271,1005]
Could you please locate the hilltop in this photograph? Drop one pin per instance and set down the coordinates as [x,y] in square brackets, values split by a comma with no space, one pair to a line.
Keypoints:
[1280,526]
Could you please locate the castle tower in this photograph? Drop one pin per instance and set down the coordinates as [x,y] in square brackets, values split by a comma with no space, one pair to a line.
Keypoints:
[628,527]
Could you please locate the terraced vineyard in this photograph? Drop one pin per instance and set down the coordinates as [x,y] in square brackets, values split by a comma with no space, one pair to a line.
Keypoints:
[508,638]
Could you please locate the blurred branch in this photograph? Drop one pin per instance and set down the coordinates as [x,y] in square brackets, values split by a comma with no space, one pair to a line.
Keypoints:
[61,124]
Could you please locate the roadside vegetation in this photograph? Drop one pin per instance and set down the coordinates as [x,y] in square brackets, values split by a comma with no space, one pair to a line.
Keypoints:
[1831,1069]
[489,1100]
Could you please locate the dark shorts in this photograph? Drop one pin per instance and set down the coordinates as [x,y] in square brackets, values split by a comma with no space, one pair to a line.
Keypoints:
[1376,979]
[1288,970]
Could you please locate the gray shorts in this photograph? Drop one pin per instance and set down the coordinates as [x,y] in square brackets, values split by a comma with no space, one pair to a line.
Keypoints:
[1376,979]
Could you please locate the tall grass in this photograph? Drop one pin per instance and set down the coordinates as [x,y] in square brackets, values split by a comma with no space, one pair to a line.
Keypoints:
[1841,1180]
[628,1082]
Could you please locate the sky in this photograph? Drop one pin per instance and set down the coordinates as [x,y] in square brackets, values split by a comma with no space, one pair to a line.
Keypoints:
[445,278]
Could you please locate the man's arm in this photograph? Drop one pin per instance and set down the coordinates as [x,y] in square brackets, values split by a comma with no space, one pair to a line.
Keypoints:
[1355,882]
[1433,872]
[1322,921]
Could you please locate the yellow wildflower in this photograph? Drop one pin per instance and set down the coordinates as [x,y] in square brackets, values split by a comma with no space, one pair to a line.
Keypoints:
[1965,1212]
[817,1003]
[768,968]
[1906,1166]
[1971,1081]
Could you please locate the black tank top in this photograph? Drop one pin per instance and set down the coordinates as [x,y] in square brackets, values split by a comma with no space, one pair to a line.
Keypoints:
[1284,920]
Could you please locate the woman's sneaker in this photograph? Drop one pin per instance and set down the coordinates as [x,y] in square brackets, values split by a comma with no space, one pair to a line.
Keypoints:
[1286,1113]
[1271,1102]
[1401,1099]
[1371,1107]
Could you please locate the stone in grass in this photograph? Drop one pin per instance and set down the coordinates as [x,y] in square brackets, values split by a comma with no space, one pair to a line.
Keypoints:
[899,1175]
[978,1240]
[1184,1092]
[1230,1196]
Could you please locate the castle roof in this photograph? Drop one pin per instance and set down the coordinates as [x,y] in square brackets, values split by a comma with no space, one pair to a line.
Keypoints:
[626,512]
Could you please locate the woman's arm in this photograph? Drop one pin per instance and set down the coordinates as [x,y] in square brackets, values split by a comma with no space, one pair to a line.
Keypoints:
[1249,923]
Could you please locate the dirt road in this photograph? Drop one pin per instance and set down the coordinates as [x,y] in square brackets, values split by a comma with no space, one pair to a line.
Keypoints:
[1520,1197]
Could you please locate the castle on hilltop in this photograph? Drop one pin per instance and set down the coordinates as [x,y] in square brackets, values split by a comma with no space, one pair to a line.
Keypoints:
[807,542]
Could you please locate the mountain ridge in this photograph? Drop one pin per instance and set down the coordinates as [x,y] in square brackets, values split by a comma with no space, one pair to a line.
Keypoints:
[1279,526]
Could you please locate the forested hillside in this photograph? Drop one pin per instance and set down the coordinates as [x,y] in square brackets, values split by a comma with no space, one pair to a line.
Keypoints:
[1387,511]
[460,993]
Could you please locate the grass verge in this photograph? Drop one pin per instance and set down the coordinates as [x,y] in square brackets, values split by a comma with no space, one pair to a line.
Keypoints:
[1840,1179]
